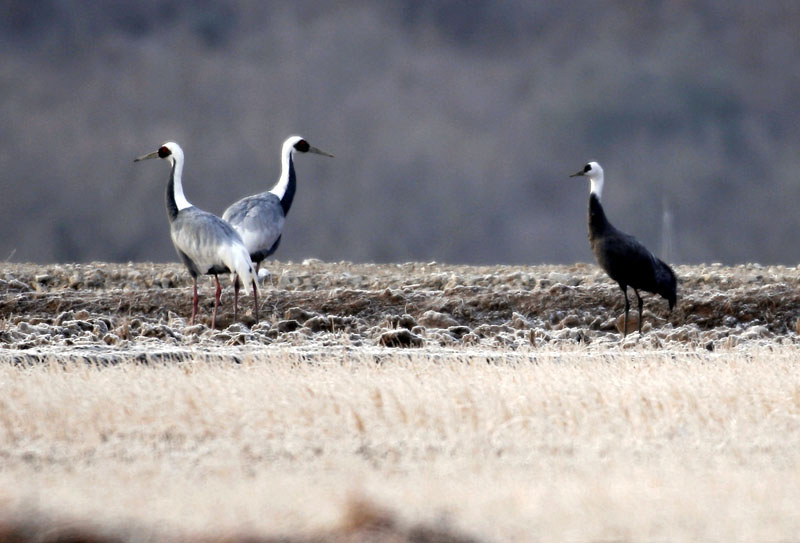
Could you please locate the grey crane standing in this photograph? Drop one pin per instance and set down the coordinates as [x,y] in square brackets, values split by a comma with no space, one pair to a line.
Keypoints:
[205,243]
[623,258]
[259,218]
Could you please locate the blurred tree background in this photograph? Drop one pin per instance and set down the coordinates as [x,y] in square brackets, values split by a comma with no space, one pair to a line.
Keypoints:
[455,125]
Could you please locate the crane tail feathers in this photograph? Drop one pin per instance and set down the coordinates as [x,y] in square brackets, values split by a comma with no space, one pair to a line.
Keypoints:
[667,282]
[241,264]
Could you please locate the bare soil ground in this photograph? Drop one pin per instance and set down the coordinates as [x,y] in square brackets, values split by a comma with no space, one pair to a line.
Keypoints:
[115,308]
[412,402]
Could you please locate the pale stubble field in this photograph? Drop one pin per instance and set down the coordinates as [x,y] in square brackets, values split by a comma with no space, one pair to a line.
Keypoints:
[566,444]
[529,421]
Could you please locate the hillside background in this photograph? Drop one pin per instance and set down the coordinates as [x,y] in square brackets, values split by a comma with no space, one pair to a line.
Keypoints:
[454,125]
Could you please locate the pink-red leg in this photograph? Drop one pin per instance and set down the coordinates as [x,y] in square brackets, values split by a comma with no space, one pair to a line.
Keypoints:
[216,302]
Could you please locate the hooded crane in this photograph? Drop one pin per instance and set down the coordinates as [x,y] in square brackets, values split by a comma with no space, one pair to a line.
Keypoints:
[205,243]
[259,218]
[623,258]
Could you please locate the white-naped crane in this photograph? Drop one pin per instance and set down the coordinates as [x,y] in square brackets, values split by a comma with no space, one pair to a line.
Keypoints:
[622,256]
[205,243]
[259,218]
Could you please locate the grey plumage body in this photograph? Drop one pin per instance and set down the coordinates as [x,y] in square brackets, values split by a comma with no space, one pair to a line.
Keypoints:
[205,243]
[259,219]
[202,235]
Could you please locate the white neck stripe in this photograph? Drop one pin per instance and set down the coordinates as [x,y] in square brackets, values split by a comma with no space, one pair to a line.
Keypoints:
[596,186]
[180,199]
[283,182]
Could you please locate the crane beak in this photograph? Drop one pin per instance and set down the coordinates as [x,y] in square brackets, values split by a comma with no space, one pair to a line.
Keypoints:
[577,174]
[319,152]
[154,154]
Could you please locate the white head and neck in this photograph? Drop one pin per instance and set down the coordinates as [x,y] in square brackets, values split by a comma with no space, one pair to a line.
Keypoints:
[172,153]
[292,145]
[594,172]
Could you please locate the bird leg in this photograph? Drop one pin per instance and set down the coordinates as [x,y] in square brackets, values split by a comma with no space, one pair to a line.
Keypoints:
[194,300]
[255,300]
[235,296]
[639,298]
[627,308]
[216,302]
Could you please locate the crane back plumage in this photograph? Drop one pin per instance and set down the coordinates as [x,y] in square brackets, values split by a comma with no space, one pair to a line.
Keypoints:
[259,219]
[213,244]
[205,243]
[626,260]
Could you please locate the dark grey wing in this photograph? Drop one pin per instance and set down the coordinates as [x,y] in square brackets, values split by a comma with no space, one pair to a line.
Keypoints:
[662,273]
[259,220]
[666,282]
[624,258]
[632,264]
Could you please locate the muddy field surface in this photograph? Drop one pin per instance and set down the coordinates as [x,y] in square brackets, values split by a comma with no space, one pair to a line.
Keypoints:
[99,309]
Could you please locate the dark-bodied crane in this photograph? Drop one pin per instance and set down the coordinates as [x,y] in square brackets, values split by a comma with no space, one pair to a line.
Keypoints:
[205,243]
[259,219]
[623,258]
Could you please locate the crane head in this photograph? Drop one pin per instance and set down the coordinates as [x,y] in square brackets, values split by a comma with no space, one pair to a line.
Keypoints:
[594,172]
[592,169]
[300,145]
[167,151]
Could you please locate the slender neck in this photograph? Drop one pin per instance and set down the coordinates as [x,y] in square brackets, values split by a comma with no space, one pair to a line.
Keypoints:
[175,198]
[287,184]
[596,187]
[597,217]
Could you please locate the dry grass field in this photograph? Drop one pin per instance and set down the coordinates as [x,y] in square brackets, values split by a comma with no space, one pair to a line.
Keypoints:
[552,432]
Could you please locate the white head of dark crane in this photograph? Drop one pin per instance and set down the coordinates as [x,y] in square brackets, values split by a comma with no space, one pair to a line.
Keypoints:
[623,258]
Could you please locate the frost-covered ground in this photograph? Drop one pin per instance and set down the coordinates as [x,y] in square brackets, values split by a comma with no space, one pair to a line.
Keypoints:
[413,402]
[109,309]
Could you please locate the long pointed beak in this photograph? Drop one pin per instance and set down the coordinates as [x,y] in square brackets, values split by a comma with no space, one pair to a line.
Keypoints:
[577,174]
[319,152]
[154,154]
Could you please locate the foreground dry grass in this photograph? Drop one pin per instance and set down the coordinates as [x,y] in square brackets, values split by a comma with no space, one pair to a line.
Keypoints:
[562,444]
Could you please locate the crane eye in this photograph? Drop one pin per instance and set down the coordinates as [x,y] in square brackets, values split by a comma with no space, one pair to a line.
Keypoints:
[302,146]
[164,152]
[587,168]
